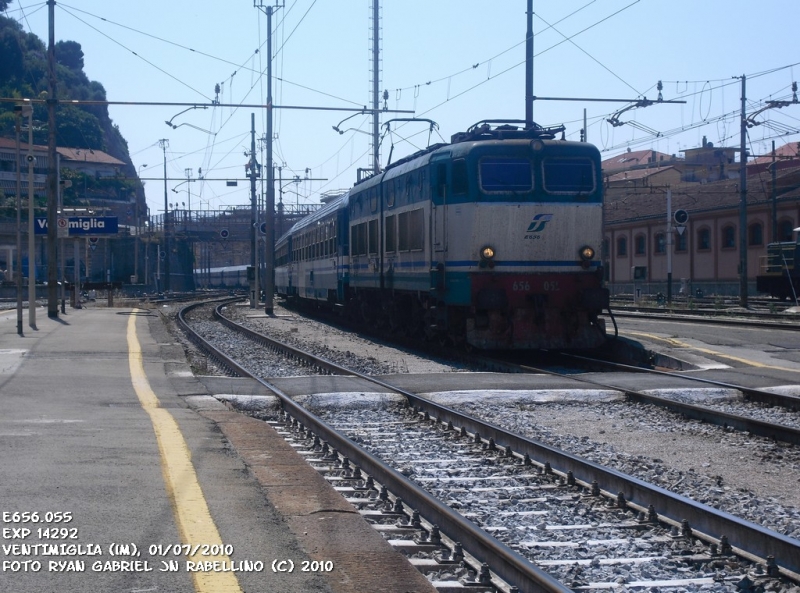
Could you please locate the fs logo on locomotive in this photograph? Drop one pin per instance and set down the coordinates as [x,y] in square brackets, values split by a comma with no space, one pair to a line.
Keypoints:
[537,225]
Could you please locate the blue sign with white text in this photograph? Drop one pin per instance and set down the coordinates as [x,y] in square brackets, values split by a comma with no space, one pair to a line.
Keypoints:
[80,226]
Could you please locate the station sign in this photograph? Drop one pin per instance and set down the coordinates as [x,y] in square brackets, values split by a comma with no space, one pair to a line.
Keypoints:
[79,226]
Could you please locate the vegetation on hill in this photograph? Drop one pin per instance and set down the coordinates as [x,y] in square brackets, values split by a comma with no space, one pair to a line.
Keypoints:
[23,75]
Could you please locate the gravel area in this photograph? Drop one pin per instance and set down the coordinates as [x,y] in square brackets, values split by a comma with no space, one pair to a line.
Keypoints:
[739,473]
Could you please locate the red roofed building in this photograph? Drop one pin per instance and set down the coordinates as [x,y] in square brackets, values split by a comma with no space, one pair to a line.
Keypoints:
[705,253]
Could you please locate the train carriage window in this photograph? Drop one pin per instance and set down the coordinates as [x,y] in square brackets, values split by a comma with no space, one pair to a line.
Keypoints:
[354,241]
[506,175]
[373,236]
[416,229]
[391,234]
[410,232]
[373,199]
[460,178]
[568,175]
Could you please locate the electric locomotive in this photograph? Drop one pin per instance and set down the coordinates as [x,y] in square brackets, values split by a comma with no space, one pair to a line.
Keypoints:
[490,241]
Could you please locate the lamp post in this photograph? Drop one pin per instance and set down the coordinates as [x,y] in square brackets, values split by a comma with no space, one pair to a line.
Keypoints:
[19,111]
[164,143]
[138,227]
[31,215]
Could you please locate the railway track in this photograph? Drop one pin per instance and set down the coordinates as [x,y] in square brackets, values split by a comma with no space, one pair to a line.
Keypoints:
[696,523]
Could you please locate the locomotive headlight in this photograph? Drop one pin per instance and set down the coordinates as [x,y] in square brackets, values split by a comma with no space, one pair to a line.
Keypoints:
[487,257]
[586,253]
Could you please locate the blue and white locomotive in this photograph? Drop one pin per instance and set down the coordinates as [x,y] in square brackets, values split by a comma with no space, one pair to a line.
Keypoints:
[491,241]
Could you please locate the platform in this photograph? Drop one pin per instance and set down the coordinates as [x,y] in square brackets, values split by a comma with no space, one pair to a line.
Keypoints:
[114,459]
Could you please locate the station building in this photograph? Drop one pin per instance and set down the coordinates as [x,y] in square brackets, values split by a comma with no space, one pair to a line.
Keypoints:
[705,250]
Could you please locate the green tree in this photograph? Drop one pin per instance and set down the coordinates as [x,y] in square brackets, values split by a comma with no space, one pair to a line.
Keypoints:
[70,54]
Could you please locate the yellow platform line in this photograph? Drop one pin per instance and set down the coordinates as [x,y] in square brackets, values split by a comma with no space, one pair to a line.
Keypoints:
[678,344]
[195,525]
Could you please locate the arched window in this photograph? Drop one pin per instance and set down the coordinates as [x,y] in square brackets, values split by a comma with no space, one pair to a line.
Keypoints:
[622,247]
[681,242]
[728,237]
[640,245]
[660,243]
[703,239]
[785,228]
[755,234]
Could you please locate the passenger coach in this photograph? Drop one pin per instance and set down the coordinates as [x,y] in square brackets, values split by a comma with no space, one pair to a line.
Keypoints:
[491,241]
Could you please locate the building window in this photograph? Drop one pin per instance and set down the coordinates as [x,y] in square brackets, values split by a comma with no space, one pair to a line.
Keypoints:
[681,242]
[622,247]
[640,245]
[660,243]
[704,239]
[728,237]
[755,234]
[785,228]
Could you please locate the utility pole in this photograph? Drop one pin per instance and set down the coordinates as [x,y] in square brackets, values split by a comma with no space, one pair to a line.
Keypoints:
[18,113]
[376,76]
[774,196]
[529,69]
[31,232]
[743,201]
[52,170]
[252,166]
[164,144]
[269,231]
[669,246]
[189,180]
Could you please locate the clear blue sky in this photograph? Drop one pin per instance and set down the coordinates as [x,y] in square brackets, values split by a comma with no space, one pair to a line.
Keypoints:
[472,54]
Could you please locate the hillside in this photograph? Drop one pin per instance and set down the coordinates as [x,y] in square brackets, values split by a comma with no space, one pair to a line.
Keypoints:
[23,74]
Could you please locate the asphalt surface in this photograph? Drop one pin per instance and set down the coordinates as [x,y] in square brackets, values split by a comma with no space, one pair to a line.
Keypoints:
[88,501]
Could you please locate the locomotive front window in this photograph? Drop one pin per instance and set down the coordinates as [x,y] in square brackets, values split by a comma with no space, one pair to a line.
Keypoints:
[506,175]
[460,180]
[568,175]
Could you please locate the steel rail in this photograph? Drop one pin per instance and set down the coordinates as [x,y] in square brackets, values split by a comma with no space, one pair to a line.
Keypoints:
[778,432]
[231,366]
[791,402]
[699,317]
[748,539]
[505,562]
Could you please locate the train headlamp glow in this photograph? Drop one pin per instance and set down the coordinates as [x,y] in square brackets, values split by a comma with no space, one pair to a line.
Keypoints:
[487,257]
[586,253]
